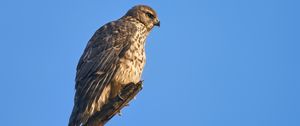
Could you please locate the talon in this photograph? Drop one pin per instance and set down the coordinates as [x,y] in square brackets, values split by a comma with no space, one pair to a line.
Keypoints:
[127,105]
[120,97]
[119,113]
[141,81]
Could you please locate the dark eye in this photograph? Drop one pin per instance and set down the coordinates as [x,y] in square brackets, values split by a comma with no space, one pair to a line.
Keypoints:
[150,15]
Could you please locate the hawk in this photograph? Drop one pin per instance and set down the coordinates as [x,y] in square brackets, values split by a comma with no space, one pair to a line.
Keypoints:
[113,57]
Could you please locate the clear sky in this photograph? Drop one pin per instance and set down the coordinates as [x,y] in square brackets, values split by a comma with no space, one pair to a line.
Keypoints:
[211,63]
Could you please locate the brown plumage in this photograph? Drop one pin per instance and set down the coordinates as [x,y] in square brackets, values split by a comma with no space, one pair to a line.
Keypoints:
[113,57]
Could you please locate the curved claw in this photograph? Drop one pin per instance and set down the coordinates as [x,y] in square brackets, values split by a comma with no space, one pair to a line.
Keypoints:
[120,97]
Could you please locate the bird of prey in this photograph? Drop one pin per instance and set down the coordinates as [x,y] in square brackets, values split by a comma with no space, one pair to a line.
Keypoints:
[113,57]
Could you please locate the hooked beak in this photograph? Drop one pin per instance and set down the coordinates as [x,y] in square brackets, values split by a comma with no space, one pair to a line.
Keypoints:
[157,24]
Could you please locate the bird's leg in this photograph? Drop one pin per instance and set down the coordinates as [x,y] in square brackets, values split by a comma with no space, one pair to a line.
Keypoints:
[120,97]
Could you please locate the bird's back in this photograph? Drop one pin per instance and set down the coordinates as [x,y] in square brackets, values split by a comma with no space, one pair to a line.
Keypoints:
[115,55]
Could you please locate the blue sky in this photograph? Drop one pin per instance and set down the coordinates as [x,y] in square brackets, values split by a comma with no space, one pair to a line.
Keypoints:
[211,63]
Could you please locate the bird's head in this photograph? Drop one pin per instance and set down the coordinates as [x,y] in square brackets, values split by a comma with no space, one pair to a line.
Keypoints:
[145,15]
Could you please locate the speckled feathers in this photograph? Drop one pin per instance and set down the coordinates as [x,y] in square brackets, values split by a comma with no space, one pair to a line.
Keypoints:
[113,57]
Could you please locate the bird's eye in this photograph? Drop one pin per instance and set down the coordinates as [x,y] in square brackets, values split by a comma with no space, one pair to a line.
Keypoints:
[150,15]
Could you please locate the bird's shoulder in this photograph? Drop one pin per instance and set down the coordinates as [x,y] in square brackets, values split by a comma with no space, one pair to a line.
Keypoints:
[114,33]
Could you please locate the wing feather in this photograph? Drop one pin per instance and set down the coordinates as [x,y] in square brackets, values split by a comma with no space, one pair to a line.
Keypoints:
[97,66]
